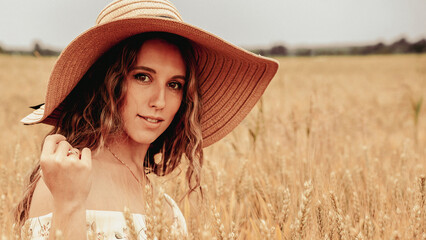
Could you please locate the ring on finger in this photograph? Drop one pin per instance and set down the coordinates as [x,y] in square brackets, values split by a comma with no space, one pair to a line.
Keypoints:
[73,151]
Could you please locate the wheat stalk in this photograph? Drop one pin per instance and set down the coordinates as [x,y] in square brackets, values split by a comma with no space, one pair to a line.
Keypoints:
[130,224]
[302,216]
[340,224]
[220,228]
[320,219]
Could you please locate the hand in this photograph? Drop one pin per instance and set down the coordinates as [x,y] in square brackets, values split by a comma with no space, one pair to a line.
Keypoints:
[67,174]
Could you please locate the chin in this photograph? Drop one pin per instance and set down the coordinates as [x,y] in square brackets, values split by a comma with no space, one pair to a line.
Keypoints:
[143,139]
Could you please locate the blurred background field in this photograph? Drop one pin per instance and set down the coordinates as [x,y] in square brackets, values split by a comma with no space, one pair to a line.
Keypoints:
[335,149]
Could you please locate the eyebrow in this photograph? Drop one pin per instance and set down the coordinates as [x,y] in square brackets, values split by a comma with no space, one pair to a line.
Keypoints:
[153,71]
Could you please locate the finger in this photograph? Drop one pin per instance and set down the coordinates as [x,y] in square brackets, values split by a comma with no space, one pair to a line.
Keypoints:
[86,156]
[50,142]
[77,152]
[74,151]
[73,157]
[62,150]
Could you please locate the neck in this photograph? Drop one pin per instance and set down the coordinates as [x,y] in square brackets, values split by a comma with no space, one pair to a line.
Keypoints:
[130,152]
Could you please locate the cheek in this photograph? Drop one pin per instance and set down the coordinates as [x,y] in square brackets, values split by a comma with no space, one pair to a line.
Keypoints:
[177,104]
[173,106]
[124,114]
[131,101]
[128,110]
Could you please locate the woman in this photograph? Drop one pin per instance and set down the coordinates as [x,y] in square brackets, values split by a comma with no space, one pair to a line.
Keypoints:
[141,83]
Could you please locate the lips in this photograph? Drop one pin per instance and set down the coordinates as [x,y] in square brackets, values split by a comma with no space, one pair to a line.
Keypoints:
[151,119]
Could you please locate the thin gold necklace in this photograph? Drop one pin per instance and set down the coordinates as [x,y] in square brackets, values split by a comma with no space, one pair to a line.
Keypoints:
[130,170]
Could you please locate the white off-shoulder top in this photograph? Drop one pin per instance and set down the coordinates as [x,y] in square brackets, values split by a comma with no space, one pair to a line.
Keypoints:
[107,225]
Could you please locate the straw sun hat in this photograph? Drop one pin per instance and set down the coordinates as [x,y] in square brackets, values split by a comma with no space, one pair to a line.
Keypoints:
[231,79]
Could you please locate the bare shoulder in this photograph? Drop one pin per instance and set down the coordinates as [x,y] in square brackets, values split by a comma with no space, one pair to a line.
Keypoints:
[42,200]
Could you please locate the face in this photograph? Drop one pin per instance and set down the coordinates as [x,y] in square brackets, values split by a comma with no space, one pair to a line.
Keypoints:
[154,91]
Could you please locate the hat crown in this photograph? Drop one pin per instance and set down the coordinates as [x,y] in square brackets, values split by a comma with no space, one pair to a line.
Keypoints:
[125,9]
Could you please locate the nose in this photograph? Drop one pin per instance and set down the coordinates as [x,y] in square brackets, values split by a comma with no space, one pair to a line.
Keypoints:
[158,97]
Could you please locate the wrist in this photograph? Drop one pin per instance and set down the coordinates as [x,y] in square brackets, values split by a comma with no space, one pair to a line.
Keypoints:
[67,207]
[70,219]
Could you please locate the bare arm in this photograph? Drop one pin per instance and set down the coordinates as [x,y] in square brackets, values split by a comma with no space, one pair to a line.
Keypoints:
[63,188]
[43,203]
[71,220]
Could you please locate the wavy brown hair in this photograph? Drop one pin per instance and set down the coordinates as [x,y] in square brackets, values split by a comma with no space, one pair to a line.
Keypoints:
[93,110]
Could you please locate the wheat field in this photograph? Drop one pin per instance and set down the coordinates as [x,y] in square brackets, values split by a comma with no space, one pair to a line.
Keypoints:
[335,149]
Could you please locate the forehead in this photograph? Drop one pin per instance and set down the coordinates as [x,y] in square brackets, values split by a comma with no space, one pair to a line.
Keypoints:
[160,53]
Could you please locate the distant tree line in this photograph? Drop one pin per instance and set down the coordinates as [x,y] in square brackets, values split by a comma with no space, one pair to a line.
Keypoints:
[399,47]
[37,50]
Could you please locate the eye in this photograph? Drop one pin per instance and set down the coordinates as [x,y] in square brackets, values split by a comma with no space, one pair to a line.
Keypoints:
[175,85]
[142,77]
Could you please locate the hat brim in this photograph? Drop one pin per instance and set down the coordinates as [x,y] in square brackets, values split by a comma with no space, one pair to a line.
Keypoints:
[231,79]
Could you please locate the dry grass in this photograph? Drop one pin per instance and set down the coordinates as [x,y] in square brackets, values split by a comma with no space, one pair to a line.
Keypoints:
[336,149]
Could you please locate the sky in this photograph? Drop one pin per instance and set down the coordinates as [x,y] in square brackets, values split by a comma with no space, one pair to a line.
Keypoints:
[247,23]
